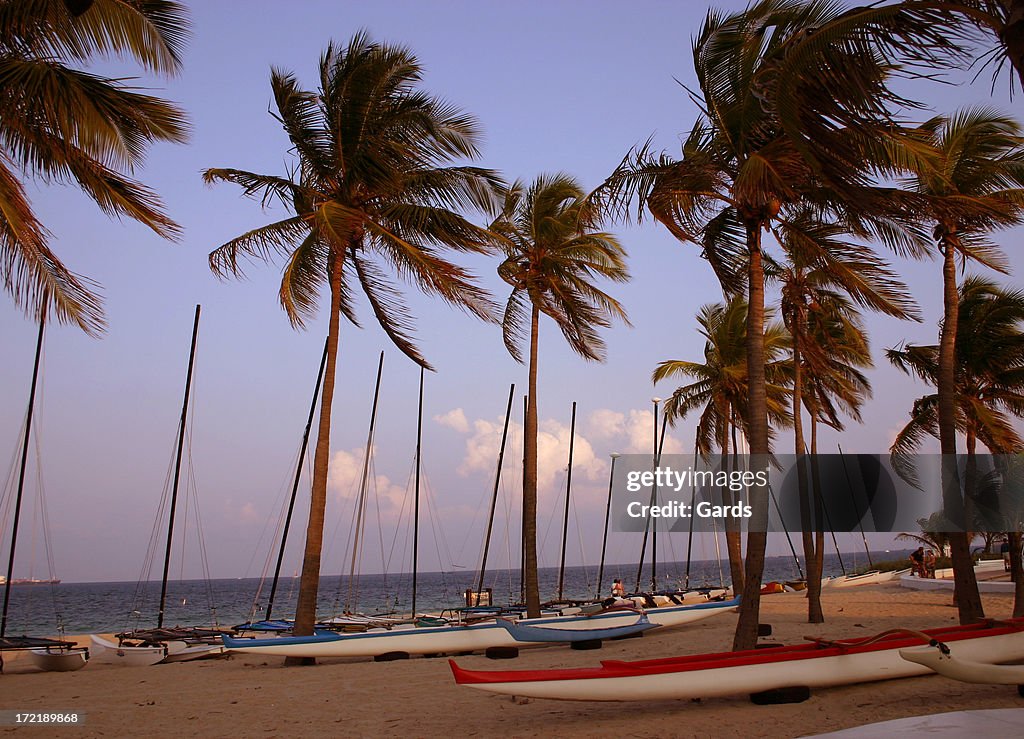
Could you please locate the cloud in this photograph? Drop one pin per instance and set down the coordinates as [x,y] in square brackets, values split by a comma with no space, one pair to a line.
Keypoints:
[247,513]
[345,474]
[454,419]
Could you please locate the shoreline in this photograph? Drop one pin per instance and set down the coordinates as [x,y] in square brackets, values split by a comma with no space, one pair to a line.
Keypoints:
[251,694]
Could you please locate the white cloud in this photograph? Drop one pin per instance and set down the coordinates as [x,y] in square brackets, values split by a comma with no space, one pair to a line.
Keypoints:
[345,473]
[454,419]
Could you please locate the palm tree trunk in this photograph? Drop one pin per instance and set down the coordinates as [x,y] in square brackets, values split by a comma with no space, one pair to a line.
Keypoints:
[1016,572]
[530,478]
[1012,36]
[817,563]
[814,614]
[965,589]
[305,610]
[757,433]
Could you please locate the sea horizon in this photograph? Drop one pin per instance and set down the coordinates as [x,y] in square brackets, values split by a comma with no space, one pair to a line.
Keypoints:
[110,606]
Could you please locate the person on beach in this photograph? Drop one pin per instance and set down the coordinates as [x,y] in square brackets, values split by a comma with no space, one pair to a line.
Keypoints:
[917,561]
[929,563]
[618,591]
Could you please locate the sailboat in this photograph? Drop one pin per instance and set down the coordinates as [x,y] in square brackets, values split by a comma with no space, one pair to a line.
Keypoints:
[47,654]
[481,633]
[146,647]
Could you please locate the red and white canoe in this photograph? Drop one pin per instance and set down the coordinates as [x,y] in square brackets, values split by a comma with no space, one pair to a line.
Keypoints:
[733,673]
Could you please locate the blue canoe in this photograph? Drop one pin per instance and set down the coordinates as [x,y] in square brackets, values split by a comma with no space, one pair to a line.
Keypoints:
[533,633]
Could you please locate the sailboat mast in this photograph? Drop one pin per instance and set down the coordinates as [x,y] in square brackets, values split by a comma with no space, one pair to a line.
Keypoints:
[177,471]
[21,477]
[568,491]
[607,517]
[361,501]
[295,484]
[416,504]
[497,482]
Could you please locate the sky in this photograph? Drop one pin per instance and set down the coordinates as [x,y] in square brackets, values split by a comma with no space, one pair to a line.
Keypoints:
[556,86]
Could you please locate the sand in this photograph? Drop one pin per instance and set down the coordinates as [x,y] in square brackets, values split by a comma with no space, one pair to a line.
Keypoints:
[246,695]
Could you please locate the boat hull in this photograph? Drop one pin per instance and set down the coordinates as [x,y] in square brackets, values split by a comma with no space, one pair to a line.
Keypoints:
[109,652]
[460,638]
[60,660]
[953,666]
[751,671]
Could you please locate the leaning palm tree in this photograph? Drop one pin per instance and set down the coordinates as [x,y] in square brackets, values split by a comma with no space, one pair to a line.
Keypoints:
[973,185]
[372,188]
[821,278]
[989,376]
[59,124]
[742,173]
[720,390]
[553,253]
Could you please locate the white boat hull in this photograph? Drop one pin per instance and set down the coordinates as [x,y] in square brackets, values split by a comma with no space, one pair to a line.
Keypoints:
[841,669]
[965,670]
[476,637]
[109,652]
[60,660]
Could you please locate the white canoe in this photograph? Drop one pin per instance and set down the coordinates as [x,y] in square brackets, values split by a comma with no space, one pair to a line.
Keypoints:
[112,653]
[750,671]
[458,638]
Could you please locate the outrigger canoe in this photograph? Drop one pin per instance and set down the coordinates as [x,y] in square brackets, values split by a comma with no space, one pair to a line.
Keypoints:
[459,637]
[813,665]
[940,658]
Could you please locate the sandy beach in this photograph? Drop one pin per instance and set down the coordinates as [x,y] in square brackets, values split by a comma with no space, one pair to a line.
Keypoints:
[249,696]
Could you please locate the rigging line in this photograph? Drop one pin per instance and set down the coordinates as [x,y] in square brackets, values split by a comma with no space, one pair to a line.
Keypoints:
[440,539]
[497,482]
[380,525]
[21,478]
[285,527]
[44,510]
[142,583]
[582,549]
[356,550]
[785,530]
[556,509]
[856,509]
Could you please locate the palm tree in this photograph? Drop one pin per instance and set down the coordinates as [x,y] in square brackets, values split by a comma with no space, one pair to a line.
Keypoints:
[989,377]
[973,186]
[59,124]
[553,253]
[821,271]
[720,385]
[372,188]
[741,173]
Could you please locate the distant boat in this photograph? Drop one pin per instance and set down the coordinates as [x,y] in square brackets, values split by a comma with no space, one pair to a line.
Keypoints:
[33,581]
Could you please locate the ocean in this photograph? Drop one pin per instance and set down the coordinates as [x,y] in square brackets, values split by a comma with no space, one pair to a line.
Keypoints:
[101,607]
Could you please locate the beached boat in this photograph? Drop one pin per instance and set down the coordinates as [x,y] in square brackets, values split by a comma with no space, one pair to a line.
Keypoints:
[819,664]
[126,654]
[449,638]
[47,654]
[940,658]
[532,633]
[60,659]
[868,578]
